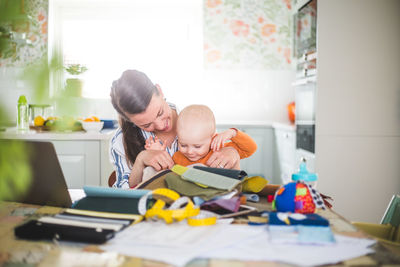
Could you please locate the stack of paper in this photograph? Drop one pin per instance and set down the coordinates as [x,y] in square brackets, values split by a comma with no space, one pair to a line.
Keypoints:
[179,243]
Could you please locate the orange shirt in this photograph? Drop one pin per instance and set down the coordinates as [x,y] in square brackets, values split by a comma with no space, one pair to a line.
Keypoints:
[242,142]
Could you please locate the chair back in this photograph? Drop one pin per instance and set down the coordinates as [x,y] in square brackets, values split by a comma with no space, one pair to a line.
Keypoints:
[112,179]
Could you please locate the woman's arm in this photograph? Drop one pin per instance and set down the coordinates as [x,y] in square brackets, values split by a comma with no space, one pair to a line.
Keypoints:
[119,160]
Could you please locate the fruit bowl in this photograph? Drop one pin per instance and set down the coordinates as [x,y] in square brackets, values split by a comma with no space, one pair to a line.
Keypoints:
[92,126]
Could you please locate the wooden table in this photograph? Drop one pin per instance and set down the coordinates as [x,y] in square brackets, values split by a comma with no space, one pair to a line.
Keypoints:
[29,253]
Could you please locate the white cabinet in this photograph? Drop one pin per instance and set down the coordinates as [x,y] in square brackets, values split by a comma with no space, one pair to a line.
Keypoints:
[261,162]
[285,140]
[83,156]
[80,162]
[84,162]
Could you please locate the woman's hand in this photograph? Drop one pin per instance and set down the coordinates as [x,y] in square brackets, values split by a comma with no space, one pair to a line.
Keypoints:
[159,160]
[154,144]
[220,138]
[227,158]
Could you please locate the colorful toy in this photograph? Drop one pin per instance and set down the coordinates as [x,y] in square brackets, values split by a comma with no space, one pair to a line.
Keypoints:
[297,197]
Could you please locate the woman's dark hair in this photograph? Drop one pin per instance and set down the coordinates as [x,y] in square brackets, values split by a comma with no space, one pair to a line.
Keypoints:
[131,94]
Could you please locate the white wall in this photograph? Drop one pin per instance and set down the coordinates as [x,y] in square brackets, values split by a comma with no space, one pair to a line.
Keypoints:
[12,85]
[234,95]
[241,95]
[358,105]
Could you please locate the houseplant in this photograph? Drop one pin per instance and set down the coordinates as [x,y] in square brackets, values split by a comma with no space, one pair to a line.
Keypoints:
[74,84]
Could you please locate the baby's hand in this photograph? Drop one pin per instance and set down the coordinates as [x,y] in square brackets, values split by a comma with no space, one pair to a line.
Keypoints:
[219,139]
[154,144]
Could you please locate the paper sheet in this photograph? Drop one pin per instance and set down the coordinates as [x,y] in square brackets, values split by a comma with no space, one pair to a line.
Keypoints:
[179,243]
[176,243]
[76,194]
[258,249]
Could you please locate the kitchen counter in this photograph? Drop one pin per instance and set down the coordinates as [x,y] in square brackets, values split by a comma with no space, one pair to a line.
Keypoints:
[11,133]
[284,126]
[257,124]
[84,157]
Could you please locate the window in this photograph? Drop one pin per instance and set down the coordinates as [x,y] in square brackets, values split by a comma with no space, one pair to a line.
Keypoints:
[161,38]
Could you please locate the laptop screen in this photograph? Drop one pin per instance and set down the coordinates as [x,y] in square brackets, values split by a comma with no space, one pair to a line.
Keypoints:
[47,186]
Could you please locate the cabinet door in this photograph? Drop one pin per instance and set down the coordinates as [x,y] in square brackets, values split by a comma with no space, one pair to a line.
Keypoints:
[261,162]
[285,149]
[80,162]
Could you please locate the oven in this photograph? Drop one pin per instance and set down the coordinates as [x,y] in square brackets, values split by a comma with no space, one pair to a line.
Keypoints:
[306,81]
[305,113]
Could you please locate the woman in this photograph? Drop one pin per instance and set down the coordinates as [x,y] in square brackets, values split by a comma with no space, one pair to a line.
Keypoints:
[144,113]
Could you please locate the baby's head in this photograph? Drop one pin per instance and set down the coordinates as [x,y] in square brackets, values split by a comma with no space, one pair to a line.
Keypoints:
[195,129]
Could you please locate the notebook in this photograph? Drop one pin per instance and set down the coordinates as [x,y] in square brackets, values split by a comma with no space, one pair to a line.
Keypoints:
[48,186]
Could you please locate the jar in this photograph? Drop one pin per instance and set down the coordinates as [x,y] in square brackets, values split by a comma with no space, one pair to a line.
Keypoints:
[40,110]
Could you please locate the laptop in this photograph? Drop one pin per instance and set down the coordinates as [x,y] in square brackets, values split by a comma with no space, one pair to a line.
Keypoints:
[48,186]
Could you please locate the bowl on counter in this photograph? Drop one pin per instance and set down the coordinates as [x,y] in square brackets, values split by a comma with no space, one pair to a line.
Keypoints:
[92,126]
[110,124]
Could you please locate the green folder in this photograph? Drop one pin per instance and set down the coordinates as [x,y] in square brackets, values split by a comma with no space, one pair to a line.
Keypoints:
[206,179]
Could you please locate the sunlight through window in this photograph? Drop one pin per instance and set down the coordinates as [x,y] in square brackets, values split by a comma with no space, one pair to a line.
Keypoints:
[161,38]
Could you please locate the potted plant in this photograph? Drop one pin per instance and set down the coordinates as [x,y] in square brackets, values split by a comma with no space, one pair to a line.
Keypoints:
[74,84]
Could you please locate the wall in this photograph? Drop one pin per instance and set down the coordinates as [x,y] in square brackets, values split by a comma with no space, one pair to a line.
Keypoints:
[358,105]
[248,59]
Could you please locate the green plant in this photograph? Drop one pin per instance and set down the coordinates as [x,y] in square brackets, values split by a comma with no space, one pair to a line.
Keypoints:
[76,69]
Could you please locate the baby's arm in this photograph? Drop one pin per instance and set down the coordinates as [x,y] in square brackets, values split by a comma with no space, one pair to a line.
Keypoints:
[154,144]
[244,144]
[220,138]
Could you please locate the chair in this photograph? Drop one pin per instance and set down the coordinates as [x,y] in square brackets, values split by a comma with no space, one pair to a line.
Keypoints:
[112,179]
[388,232]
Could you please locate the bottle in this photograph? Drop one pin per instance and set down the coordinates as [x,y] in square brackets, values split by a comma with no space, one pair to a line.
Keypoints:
[304,175]
[22,114]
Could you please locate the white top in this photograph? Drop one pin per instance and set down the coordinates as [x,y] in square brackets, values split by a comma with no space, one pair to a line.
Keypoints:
[118,156]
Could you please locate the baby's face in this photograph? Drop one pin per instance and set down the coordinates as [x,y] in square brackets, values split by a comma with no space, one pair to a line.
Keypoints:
[193,143]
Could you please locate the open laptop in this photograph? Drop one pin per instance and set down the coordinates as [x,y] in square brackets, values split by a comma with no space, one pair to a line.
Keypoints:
[48,186]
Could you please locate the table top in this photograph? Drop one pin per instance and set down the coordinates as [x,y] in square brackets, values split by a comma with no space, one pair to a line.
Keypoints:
[46,253]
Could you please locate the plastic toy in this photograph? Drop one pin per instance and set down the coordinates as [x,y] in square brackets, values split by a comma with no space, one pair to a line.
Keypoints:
[297,197]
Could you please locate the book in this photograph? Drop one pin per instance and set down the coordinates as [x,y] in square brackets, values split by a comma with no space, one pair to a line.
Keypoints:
[108,204]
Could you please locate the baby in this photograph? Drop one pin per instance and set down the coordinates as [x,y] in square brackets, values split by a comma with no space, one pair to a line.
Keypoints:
[197,139]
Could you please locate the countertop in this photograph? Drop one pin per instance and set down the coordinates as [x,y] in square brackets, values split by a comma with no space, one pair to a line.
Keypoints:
[258,124]
[12,133]
[105,134]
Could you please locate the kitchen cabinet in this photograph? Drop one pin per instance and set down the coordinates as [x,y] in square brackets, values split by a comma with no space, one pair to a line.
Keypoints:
[81,162]
[261,162]
[83,156]
[285,140]
[357,145]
